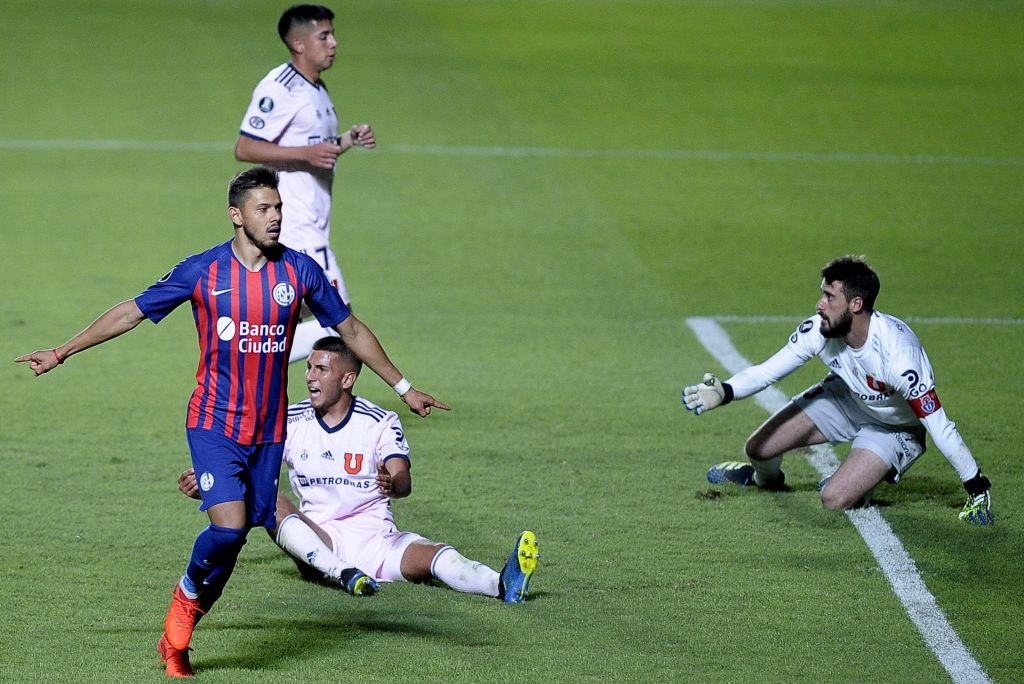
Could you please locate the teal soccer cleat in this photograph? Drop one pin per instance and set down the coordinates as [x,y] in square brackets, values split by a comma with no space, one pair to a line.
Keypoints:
[357,582]
[740,474]
[514,583]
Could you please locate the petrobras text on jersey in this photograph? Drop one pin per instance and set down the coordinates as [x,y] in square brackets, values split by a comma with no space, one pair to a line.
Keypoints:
[253,338]
[327,481]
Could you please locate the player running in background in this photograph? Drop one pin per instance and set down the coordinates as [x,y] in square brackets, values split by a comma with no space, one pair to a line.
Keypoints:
[878,394]
[291,125]
[347,458]
[245,295]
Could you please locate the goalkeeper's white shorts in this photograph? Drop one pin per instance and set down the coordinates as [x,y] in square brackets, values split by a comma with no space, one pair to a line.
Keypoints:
[839,416]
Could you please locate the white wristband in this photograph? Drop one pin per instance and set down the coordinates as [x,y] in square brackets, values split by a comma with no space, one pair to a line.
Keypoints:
[402,386]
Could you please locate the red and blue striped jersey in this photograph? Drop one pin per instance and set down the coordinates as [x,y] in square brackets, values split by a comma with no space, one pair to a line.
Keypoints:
[246,321]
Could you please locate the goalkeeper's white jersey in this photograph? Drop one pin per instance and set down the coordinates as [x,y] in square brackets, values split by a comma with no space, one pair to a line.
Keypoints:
[890,374]
[288,110]
[333,471]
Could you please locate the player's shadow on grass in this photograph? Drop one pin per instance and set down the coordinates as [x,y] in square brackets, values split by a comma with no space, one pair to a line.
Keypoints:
[275,643]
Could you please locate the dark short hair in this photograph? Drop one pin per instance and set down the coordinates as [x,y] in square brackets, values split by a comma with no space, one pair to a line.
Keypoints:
[856,278]
[301,14]
[330,343]
[248,180]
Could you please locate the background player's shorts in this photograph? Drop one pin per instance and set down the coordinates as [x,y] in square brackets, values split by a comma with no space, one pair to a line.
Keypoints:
[374,546]
[229,471]
[840,417]
[323,255]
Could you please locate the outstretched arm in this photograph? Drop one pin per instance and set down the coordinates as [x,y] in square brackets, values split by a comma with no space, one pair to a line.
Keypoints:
[115,321]
[365,345]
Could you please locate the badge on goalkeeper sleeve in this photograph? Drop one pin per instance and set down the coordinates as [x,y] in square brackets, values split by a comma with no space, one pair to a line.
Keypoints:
[709,394]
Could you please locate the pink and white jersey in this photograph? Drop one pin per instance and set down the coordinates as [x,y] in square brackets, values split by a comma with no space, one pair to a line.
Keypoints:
[333,470]
[288,110]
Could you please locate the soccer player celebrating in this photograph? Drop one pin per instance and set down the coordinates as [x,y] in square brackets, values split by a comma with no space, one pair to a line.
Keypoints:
[879,395]
[246,295]
[291,125]
[347,458]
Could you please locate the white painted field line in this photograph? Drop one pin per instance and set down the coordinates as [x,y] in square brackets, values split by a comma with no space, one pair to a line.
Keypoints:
[896,563]
[72,144]
[940,320]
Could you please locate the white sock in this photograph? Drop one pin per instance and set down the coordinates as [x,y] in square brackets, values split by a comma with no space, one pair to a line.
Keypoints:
[298,540]
[306,333]
[462,574]
[766,472]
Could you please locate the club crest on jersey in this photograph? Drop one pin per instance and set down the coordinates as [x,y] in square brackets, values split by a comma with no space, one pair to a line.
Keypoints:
[925,405]
[206,481]
[353,463]
[256,122]
[266,104]
[284,294]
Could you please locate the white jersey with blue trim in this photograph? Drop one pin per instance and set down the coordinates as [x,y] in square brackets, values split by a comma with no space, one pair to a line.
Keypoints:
[288,110]
[333,470]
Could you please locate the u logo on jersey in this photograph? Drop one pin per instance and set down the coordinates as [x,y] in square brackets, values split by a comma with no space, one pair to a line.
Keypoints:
[875,384]
[353,463]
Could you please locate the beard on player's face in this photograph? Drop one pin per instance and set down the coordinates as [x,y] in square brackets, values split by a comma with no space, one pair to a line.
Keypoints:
[838,326]
[267,244]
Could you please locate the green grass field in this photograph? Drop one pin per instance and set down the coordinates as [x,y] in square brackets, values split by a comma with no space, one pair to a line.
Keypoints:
[557,187]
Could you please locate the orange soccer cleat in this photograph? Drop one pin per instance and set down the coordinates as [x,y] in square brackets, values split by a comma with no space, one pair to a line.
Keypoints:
[175,660]
[181,619]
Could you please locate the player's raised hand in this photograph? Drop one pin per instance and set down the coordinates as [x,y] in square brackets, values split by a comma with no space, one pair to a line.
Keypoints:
[41,361]
[187,483]
[362,135]
[705,396]
[421,402]
[383,480]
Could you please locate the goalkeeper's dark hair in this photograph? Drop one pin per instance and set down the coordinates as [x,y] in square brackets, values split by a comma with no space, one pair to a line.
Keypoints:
[856,278]
[333,344]
[301,14]
[246,181]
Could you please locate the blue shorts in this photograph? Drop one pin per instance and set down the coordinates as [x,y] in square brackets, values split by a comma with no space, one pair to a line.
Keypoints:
[229,471]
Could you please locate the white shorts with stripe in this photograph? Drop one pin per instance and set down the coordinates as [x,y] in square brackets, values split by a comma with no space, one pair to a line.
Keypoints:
[839,416]
[374,546]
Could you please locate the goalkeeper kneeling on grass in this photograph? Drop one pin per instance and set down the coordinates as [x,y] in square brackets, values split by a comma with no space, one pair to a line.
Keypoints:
[879,395]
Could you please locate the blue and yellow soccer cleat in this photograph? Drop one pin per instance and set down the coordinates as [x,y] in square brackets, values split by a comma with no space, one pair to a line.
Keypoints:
[514,583]
[357,582]
[741,474]
[734,472]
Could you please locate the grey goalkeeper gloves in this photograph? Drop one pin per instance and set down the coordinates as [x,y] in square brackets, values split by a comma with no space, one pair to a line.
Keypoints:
[978,509]
[709,394]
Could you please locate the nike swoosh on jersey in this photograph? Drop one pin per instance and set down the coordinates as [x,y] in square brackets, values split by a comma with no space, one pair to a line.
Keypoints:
[220,292]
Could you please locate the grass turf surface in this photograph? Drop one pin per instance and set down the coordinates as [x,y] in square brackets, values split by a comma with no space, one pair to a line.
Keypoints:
[658,160]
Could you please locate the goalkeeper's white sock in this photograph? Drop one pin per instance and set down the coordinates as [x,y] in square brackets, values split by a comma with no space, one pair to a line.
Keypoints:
[766,472]
[306,333]
[462,574]
[300,541]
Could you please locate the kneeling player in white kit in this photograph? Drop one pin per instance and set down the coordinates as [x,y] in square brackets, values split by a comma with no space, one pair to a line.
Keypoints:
[879,395]
[346,459]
